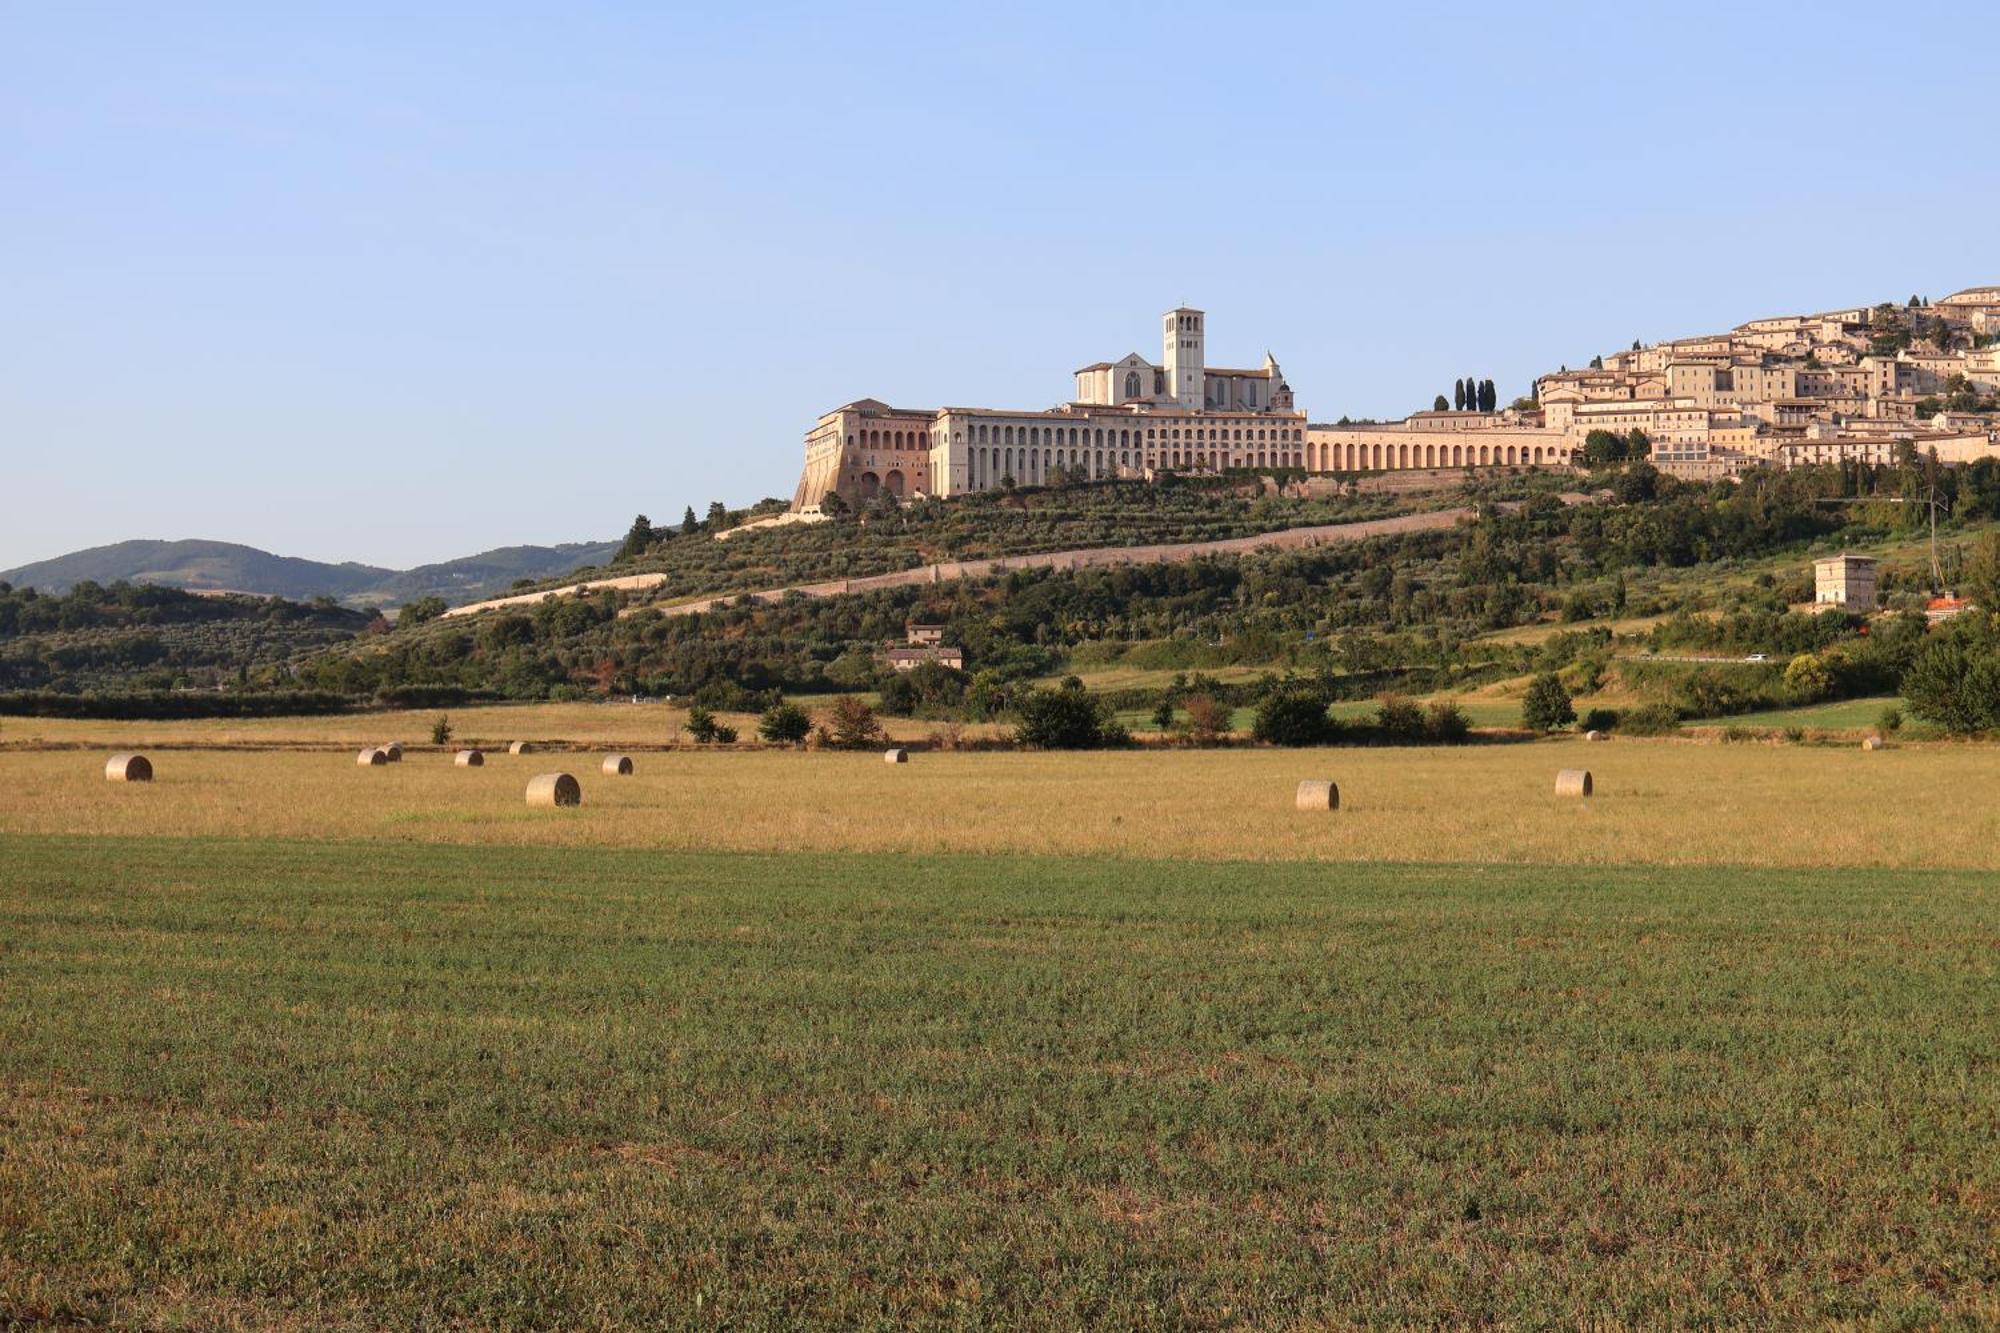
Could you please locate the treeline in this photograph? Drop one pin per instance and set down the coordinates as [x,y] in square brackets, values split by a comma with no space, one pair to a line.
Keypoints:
[138,637]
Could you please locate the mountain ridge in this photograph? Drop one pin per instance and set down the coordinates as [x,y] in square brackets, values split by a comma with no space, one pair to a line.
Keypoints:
[204,565]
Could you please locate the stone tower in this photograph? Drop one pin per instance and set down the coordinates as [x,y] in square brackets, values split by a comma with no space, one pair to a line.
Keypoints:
[1182,339]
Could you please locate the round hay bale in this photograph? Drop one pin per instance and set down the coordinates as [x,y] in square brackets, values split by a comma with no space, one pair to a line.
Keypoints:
[618,765]
[1872,743]
[554,789]
[394,751]
[1595,736]
[520,747]
[128,768]
[469,759]
[1317,794]
[372,757]
[897,756]
[1573,782]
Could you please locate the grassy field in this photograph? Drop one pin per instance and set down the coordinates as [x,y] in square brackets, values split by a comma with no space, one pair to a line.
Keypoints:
[773,1039]
[1840,715]
[273,1084]
[1658,802]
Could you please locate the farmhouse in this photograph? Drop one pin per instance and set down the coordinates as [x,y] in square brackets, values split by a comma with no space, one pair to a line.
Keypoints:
[1845,580]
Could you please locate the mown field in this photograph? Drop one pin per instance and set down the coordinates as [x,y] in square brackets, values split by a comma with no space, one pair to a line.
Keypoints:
[763,1040]
[268,1084]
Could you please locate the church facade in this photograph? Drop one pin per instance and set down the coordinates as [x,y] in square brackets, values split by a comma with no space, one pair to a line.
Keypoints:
[1128,418]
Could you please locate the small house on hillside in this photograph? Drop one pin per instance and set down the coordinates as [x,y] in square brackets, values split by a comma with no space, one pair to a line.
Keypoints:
[909,659]
[1845,580]
[923,635]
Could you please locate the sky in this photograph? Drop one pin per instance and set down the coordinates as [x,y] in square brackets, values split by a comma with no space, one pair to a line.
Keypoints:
[396,287]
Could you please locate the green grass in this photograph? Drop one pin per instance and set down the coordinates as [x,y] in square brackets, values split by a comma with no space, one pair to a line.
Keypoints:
[268,1084]
[1841,715]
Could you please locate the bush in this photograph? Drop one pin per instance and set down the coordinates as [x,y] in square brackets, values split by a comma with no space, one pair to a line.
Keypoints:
[784,724]
[1400,721]
[1292,717]
[1891,720]
[1445,723]
[702,727]
[1650,720]
[1064,719]
[1599,719]
[441,730]
[1207,719]
[851,725]
[1547,704]
[1955,679]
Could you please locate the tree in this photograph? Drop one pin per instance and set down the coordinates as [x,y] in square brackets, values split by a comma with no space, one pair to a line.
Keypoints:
[718,516]
[1066,718]
[441,730]
[1489,396]
[1292,717]
[1808,679]
[1438,404]
[832,505]
[1458,395]
[1981,576]
[784,724]
[689,525]
[851,724]
[637,538]
[1955,679]
[1163,715]
[1547,704]
[702,726]
[418,612]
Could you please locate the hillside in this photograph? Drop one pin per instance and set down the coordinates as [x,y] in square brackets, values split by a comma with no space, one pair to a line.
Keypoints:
[212,566]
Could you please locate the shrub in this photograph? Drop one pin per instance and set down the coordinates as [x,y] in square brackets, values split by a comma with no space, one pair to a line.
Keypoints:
[1445,723]
[1547,704]
[784,724]
[1599,719]
[1891,719]
[1207,719]
[440,730]
[1400,721]
[850,724]
[1064,719]
[1650,720]
[1955,679]
[1292,717]
[1808,679]
[702,727]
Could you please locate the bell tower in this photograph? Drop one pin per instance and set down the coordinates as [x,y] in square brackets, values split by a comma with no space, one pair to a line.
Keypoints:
[1181,337]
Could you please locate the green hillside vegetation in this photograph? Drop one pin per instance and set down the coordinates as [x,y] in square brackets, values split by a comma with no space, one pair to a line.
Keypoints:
[888,537]
[138,637]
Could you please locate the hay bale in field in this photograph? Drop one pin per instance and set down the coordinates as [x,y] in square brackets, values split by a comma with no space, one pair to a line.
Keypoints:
[372,757]
[128,768]
[469,759]
[554,789]
[1317,794]
[394,751]
[1573,782]
[1595,736]
[520,747]
[1872,743]
[618,765]
[896,756]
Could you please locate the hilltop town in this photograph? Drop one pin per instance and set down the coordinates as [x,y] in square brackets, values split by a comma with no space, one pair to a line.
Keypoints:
[1853,385]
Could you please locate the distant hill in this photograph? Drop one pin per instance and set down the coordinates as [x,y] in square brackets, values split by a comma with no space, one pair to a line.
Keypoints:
[208,566]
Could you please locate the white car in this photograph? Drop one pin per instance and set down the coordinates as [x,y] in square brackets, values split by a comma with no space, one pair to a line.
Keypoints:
[1758,657]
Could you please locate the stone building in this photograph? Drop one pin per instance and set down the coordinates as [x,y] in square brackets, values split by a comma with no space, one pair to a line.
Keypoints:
[1845,580]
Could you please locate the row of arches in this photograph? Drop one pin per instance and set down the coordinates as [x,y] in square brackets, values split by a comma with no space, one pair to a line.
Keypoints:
[1102,437]
[1027,466]
[1356,457]
[890,439]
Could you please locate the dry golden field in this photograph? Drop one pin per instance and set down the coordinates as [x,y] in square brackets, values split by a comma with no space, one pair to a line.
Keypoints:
[1658,802]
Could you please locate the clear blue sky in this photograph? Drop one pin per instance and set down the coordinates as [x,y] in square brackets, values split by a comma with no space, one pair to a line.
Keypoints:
[395,288]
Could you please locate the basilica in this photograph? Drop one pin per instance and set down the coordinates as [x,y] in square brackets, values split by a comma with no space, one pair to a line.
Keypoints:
[1129,418]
